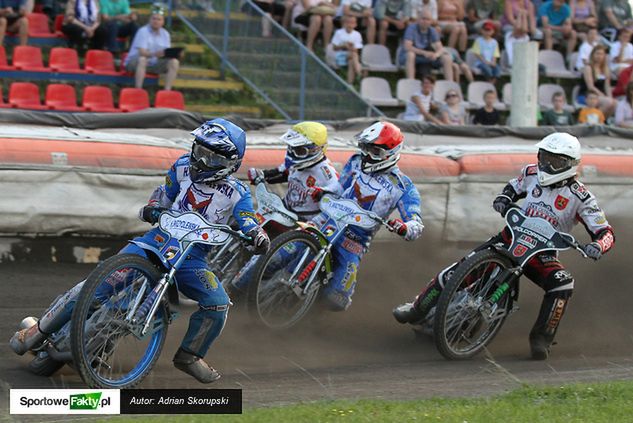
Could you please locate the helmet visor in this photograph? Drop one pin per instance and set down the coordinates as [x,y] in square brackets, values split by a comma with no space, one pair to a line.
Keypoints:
[208,159]
[372,150]
[303,151]
[554,163]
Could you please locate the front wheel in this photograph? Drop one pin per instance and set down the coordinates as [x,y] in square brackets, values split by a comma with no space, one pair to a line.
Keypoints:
[472,306]
[107,350]
[277,296]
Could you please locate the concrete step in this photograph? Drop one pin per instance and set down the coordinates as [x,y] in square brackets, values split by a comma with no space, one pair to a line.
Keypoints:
[191,72]
[225,109]
[203,84]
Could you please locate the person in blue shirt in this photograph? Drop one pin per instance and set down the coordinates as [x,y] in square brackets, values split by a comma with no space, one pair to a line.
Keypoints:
[13,20]
[554,17]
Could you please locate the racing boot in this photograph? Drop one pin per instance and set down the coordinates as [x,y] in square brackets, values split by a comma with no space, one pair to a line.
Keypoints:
[407,313]
[195,366]
[539,346]
[27,337]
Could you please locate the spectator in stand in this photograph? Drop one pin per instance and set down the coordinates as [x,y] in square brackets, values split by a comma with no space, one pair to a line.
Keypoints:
[459,67]
[364,12]
[583,15]
[453,112]
[596,79]
[82,23]
[347,43]
[119,21]
[420,106]
[488,115]
[13,19]
[585,49]
[422,47]
[519,14]
[623,79]
[479,12]
[392,15]
[555,20]
[621,52]
[624,112]
[516,35]
[590,114]
[451,15]
[316,15]
[558,116]
[614,15]
[419,6]
[147,53]
[486,48]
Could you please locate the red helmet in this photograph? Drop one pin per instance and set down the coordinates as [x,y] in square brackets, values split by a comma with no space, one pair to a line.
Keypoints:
[380,146]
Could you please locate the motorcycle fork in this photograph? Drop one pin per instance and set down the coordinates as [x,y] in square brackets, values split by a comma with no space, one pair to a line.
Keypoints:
[507,283]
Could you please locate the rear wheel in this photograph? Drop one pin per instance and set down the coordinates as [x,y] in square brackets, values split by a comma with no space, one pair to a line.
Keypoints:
[275,296]
[472,306]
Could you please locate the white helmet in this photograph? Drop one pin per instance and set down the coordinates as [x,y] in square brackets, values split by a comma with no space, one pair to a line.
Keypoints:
[558,158]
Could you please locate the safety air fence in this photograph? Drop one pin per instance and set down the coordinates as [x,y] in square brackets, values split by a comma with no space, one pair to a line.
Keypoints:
[60,181]
[278,67]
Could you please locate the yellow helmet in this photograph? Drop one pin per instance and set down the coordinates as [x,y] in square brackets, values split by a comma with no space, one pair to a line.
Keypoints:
[307,142]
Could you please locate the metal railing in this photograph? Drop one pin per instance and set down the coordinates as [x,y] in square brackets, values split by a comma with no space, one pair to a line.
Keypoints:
[278,67]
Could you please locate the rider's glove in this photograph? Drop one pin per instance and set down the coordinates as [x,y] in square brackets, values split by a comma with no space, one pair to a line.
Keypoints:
[260,241]
[316,193]
[150,214]
[501,204]
[398,226]
[593,250]
[255,176]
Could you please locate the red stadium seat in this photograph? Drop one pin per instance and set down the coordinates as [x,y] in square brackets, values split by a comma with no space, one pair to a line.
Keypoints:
[25,95]
[28,58]
[100,62]
[170,99]
[62,97]
[98,99]
[57,26]
[3,105]
[133,99]
[38,26]
[3,59]
[64,60]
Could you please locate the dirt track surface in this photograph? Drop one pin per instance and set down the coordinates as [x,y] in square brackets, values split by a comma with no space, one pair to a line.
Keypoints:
[364,352]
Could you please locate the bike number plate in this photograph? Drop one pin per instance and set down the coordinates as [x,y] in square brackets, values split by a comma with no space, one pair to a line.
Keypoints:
[346,212]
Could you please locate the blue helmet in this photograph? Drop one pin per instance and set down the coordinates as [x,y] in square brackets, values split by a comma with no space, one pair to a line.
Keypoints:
[217,150]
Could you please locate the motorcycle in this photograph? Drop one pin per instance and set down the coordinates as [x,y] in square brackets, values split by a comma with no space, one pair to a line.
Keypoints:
[484,289]
[288,279]
[120,319]
[226,261]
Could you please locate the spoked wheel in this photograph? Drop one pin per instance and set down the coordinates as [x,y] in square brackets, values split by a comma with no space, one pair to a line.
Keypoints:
[107,349]
[225,263]
[472,306]
[277,296]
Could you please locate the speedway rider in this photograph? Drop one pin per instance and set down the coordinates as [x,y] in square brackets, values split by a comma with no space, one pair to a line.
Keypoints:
[373,179]
[200,181]
[552,192]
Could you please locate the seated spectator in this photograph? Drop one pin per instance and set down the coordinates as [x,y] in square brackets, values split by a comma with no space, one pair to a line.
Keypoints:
[479,12]
[347,43]
[585,49]
[392,15]
[558,116]
[364,13]
[614,15]
[555,20]
[624,111]
[459,67]
[517,35]
[316,15]
[488,115]
[278,10]
[621,52]
[453,112]
[590,114]
[422,47]
[13,20]
[596,78]
[519,14]
[289,5]
[119,21]
[450,15]
[82,23]
[420,106]
[147,53]
[419,6]
[583,15]
[623,79]
[486,49]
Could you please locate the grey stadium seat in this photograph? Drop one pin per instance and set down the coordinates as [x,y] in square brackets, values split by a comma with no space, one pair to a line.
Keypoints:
[376,58]
[554,64]
[406,87]
[476,91]
[377,92]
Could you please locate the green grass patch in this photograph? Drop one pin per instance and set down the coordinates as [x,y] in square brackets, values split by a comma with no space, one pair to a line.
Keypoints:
[596,402]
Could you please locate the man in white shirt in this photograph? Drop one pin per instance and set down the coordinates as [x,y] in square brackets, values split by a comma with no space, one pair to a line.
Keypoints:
[517,35]
[347,42]
[585,49]
[147,53]
[621,52]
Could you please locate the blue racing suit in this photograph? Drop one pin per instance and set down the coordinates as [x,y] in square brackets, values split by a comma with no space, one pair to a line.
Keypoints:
[217,202]
[381,193]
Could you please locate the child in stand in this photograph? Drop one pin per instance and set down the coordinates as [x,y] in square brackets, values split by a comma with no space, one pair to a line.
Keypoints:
[487,115]
[591,114]
[346,43]
[486,48]
[558,116]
